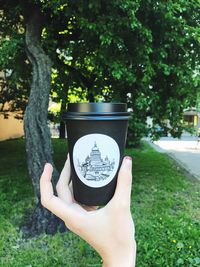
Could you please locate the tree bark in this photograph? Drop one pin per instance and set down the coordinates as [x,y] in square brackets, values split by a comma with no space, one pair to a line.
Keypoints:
[38,138]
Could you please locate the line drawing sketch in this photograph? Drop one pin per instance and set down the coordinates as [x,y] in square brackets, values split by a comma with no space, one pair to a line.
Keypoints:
[95,168]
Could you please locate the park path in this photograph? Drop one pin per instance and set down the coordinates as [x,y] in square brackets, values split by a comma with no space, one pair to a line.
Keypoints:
[186,151]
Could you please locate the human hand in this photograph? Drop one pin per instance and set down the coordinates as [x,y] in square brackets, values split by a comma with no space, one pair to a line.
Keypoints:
[110,230]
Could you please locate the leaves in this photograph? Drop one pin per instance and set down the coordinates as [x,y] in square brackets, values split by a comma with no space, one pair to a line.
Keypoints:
[109,50]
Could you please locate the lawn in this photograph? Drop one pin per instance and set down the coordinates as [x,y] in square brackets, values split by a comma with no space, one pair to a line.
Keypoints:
[165,206]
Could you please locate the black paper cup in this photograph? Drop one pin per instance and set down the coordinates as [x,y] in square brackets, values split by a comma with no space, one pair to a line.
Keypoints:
[96,135]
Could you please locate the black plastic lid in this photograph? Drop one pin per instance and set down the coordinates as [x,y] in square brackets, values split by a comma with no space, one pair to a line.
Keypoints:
[97,107]
[79,111]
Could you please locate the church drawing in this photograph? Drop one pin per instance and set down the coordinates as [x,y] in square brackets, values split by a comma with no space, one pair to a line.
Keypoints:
[95,168]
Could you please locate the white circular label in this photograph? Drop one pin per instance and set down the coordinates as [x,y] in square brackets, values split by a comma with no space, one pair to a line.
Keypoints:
[96,159]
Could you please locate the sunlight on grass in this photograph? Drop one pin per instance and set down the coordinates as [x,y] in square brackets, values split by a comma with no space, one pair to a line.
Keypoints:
[165,205]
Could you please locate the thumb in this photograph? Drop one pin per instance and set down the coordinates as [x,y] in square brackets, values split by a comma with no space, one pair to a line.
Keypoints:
[124,182]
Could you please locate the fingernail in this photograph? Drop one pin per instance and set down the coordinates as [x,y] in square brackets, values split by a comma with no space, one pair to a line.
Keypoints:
[48,165]
[128,158]
[127,162]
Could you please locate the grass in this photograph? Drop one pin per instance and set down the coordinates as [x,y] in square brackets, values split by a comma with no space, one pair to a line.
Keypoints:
[165,206]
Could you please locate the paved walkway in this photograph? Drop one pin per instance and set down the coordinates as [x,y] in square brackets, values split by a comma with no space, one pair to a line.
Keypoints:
[186,151]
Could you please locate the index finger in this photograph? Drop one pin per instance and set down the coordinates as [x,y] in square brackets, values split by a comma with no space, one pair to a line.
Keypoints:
[53,203]
[62,186]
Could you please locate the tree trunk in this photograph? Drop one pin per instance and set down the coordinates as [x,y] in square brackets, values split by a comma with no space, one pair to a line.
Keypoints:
[38,139]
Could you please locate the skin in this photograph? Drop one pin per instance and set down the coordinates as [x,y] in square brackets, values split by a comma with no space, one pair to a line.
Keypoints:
[109,230]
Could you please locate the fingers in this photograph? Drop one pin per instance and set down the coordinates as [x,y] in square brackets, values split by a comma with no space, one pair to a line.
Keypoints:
[46,189]
[66,172]
[53,203]
[124,182]
[62,186]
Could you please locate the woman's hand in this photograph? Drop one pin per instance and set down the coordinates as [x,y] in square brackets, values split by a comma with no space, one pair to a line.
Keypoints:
[110,230]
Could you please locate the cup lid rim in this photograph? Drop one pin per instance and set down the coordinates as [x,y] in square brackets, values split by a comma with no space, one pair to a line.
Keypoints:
[97,107]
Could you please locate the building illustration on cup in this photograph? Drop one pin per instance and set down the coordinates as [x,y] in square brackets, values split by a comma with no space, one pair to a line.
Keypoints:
[96,159]
[95,168]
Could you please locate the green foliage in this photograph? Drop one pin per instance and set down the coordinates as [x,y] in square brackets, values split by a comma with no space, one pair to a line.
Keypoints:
[15,84]
[145,53]
[136,130]
[164,205]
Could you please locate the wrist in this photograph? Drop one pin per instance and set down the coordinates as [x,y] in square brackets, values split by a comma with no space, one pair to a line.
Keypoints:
[121,258]
[127,262]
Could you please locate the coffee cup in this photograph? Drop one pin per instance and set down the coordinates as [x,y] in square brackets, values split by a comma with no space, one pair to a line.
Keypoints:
[96,134]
